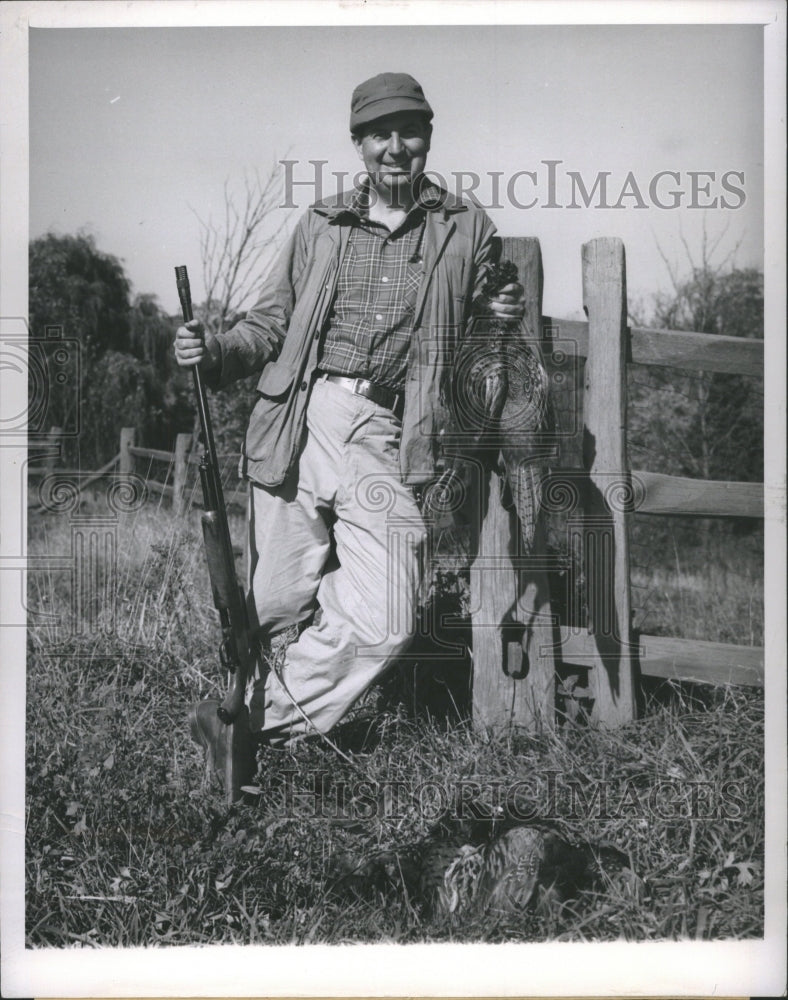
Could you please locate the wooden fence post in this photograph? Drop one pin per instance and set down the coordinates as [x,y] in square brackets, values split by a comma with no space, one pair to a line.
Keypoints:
[608,494]
[182,445]
[126,463]
[513,660]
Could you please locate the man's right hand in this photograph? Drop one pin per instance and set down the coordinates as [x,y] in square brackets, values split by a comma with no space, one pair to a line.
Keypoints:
[190,346]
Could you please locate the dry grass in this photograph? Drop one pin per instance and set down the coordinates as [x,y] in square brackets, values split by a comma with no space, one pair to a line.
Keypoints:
[125,846]
[697,578]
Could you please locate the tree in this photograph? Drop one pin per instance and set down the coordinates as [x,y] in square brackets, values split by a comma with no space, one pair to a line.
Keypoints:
[122,391]
[234,249]
[729,303]
[150,333]
[234,252]
[75,286]
[126,374]
[85,293]
[704,425]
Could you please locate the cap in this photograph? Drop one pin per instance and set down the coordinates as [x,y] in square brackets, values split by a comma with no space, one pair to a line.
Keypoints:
[386,94]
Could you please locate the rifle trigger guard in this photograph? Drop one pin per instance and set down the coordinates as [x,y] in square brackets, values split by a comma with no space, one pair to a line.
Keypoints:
[225,656]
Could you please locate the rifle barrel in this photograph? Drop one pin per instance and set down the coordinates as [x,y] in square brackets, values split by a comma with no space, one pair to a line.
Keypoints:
[228,596]
[185,296]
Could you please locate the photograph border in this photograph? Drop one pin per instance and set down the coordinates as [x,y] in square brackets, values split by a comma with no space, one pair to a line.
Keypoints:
[648,968]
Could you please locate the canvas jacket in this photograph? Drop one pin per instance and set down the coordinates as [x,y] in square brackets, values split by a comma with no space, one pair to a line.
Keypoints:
[281,335]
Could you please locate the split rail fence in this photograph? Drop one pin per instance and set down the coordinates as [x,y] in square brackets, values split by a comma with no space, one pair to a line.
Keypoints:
[133,459]
[518,643]
[515,669]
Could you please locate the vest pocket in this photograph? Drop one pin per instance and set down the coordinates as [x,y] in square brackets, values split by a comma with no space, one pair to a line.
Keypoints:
[276,380]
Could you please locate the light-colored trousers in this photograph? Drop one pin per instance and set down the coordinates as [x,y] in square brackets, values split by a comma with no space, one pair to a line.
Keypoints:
[343,533]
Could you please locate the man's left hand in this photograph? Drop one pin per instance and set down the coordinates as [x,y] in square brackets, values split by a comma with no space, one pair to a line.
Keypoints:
[508,303]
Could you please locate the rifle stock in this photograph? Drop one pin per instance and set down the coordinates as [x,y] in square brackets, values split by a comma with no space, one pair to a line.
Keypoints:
[229,601]
[228,597]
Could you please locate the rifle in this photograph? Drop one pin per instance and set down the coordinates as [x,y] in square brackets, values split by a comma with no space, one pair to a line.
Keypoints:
[234,653]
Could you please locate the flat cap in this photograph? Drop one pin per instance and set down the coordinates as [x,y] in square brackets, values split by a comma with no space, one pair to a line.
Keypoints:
[386,94]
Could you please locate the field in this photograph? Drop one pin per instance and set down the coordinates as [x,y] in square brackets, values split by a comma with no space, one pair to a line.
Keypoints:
[127,844]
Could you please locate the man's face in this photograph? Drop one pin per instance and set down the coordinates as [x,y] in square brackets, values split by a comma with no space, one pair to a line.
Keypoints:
[394,150]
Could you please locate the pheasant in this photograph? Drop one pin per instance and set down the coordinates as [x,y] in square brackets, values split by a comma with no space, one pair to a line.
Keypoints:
[485,866]
[499,409]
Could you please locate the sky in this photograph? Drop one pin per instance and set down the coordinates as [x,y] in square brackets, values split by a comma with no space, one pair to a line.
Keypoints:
[134,132]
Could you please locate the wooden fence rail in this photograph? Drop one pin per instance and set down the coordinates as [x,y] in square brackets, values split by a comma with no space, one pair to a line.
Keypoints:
[696,497]
[670,348]
[677,659]
[178,463]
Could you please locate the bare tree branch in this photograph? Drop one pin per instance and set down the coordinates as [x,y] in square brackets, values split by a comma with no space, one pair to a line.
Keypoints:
[234,249]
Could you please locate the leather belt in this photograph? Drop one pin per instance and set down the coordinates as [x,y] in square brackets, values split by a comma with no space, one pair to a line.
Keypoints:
[379,394]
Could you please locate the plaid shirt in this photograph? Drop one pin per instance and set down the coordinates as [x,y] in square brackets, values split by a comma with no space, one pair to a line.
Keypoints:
[371,323]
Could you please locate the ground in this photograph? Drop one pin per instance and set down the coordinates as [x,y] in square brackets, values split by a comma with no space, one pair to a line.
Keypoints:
[126,845]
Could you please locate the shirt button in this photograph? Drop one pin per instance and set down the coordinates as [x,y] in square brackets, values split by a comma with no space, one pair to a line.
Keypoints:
[384,278]
[378,316]
[303,386]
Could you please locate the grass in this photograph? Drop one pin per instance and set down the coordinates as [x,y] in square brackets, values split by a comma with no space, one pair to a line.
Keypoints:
[127,846]
[697,578]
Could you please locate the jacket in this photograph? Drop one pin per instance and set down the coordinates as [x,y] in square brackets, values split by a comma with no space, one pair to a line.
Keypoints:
[280,336]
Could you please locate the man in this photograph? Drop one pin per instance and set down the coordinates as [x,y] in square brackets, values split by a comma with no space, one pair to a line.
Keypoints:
[354,335]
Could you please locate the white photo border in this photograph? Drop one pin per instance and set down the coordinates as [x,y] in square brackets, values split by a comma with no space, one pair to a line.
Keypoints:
[721,968]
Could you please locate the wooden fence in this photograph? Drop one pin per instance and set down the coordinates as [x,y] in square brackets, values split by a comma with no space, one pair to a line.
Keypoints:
[133,459]
[514,669]
[518,643]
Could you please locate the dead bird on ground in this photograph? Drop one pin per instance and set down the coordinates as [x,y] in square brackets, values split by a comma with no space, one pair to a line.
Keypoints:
[484,863]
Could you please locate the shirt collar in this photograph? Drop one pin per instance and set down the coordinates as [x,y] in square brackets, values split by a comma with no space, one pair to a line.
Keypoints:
[429,198]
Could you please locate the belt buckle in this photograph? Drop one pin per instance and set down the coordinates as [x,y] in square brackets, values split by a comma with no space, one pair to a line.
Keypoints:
[357,385]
